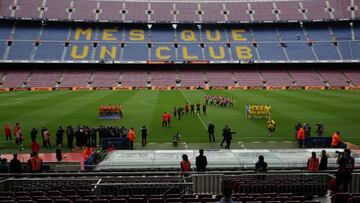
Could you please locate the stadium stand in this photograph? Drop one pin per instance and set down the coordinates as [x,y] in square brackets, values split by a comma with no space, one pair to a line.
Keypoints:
[93,43]
[190,11]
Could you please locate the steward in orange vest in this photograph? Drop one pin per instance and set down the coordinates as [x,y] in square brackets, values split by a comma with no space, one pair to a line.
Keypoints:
[313,163]
[300,136]
[131,137]
[185,164]
[335,140]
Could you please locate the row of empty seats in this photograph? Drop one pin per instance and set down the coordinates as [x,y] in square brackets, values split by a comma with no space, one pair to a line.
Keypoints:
[167,11]
[185,78]
[86,196]
[187,33]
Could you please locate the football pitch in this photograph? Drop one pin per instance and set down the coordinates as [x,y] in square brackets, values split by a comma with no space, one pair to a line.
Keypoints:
[339,110]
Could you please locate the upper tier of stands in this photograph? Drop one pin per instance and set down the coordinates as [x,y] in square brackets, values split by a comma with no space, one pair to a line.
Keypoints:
[92,43]
[180,11]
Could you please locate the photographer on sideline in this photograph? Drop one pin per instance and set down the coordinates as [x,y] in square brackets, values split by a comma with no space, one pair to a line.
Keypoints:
[346,166]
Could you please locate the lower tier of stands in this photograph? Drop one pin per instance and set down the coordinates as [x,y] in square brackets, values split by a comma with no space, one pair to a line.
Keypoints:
[172,78]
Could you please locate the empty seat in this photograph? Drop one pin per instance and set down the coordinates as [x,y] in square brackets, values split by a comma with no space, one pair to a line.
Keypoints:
[189,196]
[190,200]
[44,201]
[156,200]
[82,201]
[263,199]
[123,197]
[53,193]
[206,199]
[172,196]
[38,197]
[69,192]
[21,194]
[23,197]
[106,197]
[56,197]
[11,194]
[83,192]
[174,200]
[101,201]
[136,200]
[118,200]
[72,197]
[37,193]
[281,199]
[340,197]
[6,197]
[90,197]
[62,201]
[300,198]
[26,201]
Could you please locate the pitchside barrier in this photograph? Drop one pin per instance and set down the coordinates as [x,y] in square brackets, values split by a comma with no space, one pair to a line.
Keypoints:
[321,142]
[116,143]
[162,183]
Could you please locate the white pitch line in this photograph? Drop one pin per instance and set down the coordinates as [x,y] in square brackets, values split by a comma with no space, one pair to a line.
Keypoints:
[196,114]
[272,142]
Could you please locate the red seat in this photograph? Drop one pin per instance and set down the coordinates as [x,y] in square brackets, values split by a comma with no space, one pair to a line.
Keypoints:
[292,201]
[355,199]
[44,201]
[22,194]
[72,197]
[6,198]
[7,201]
[263,199]
[11,194]
[273,201]
[37,193]
[26,201]
[207,199]
[23,198]
[172,196]
[101,201]
[191,200]
[82,193]
[127,197]
[340,197]
[53,193]
[106,197]
[69,192]
[82,201]
[174,200]
[136,200]
[118,200]
[62,201]
[300,198]
[156,200]
[189,196]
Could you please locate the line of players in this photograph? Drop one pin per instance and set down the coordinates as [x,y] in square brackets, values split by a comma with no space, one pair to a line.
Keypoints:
[110,111]
[219,101]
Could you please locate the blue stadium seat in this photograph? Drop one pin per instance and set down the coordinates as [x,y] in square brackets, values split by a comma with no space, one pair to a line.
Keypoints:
[135,51]
[271,51]
[5,30]
[3,46]
[238,55]
[342,32]
[167,51]
[108,51]
[162,34]
[326,51]
[265,33]
[140,30]
[299,51]
[79,51]
[213,33]
[194,51]
[80,33]
[188,31]
[29,31]
[357,30]
[345,50]
[291,33]
[235,30]
[20,51]
[49,51]
[217,52]
[355,48]
[317,32]
[54,33]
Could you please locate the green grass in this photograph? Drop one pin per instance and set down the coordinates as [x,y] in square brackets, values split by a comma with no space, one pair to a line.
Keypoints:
[337,109]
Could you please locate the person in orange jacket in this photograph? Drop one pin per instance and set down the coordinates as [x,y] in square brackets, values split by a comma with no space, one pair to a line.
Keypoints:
[300,136]
[164,120]
[335,142]
[87,152]
[313,163]
[168,119]
[7,130]
[131,137]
